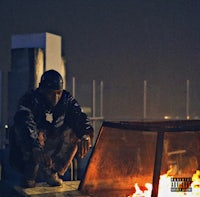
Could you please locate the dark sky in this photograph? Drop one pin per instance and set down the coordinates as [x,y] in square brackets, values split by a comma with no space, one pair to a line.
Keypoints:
[122,43]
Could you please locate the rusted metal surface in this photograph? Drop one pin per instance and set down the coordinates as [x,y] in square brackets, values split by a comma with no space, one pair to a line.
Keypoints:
[127,153]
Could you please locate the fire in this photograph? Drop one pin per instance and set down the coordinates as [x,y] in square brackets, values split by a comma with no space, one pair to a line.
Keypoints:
[165,187]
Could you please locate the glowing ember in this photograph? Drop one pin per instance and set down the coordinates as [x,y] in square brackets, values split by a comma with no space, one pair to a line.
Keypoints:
[167,186]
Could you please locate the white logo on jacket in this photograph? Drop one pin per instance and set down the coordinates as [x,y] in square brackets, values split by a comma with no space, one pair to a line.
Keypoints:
[49,117]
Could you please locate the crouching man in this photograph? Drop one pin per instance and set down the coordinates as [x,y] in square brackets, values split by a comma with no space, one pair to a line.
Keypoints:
[48,129]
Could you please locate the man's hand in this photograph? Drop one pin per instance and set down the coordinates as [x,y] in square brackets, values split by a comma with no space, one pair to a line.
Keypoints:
[42,138]
[84,145]
[42,157]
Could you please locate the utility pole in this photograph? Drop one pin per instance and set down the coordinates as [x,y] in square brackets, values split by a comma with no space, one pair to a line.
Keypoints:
[188,99]
[145,100]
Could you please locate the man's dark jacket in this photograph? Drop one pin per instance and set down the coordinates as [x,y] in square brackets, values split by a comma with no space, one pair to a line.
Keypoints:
[34,115]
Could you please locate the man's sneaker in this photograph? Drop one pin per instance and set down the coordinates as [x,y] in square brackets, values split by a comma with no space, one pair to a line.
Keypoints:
[54,180]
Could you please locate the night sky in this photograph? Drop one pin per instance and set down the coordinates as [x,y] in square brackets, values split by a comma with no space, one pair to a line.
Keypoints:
[122,43]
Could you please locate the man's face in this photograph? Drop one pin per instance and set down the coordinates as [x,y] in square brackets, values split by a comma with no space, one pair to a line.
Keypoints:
[53,96]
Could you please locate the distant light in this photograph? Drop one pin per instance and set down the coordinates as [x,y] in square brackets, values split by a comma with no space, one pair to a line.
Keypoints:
[188,117]
[6,126]
[167,117]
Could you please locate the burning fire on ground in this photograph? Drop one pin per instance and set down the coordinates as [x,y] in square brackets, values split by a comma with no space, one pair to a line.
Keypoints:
[172,187]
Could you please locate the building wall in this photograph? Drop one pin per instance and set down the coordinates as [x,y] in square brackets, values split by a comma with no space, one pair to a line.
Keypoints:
[31,55]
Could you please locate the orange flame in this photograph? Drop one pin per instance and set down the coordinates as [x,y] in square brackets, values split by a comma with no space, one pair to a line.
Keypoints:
[165,185]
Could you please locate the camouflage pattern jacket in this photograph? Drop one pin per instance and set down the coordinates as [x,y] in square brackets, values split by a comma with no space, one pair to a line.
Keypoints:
[33,114]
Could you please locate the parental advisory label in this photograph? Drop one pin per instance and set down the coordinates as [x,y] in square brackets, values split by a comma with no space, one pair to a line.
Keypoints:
[181,184]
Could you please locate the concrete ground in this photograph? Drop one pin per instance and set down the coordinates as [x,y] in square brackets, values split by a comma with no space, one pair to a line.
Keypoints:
[68,189]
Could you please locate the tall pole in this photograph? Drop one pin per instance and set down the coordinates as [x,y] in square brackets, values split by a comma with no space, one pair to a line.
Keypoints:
[145,100]
[94,99]
[94,103]
[101,98]
[187,99]
[73,87]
